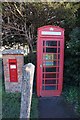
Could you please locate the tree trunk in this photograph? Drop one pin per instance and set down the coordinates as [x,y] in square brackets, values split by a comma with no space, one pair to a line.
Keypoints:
[29,44]
[30,47]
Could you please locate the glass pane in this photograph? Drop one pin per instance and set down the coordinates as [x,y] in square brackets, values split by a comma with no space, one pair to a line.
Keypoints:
[58,50]
[57,75]
[43,43]
[51,43]
[58,63]
[43,75]
[43,50]
[50,69]
[54,56]
[49,56]
[51,50]
[43,87]
[58,69]
[58,56]
[50,75]
[58,43]
[43,82]
[43,70]
[50,63]
[50,87]
[54,63]
[50,81]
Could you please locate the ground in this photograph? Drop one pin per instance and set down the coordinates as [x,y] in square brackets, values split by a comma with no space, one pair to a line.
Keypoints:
[55,107]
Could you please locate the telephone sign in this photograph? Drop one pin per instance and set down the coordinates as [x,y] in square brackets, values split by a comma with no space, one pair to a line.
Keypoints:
[50,56]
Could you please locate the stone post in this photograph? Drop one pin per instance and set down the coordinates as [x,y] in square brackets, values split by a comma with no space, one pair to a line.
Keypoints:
[26,92]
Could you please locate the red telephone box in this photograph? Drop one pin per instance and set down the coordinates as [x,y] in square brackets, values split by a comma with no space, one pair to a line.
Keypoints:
[50,56]
[13,70]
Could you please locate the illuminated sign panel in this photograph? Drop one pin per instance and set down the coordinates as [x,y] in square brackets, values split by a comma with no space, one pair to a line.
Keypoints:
[50,33]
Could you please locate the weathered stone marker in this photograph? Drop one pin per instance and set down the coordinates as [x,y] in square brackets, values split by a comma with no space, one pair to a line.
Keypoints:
[26,94]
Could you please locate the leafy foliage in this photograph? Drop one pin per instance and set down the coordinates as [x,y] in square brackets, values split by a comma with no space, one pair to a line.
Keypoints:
[72,95]
[72,59]
[21,20]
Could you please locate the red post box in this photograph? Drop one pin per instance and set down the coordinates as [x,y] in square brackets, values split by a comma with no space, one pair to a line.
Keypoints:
[13,70]
[50,56]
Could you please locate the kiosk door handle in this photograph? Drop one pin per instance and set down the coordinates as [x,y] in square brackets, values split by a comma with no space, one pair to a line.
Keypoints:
[41,66]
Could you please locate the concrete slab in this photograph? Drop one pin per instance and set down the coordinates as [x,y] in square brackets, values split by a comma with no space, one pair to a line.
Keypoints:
[55,107]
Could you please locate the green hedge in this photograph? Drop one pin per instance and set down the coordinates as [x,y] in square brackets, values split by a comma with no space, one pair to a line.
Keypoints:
[72,59]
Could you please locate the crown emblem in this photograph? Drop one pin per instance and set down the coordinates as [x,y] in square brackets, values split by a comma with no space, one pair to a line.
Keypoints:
[51,29]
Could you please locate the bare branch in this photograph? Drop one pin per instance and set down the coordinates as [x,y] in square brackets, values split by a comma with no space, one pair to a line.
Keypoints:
[12,35]
[8,27]
[12,11]
[18,10]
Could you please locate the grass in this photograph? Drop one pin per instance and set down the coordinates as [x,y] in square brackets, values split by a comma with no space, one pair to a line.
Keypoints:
[11,105]
[72,95]
[34,107]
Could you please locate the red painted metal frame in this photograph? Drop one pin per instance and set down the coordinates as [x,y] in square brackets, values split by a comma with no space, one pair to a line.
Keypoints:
[40,40]
[13,71]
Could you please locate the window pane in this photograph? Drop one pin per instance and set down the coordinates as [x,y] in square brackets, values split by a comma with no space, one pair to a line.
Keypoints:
[50,81]
[49,56]
[43,70]
[51,50]
[58,69]
[50,87]
[50,63]
[54,56]
[58,43]
[43,82]
[50,75]
[57,75]
[58,63]
[43,43]
[54,63]
[50,69]
[43,50]
[43,87]
[58,50]
[51,43]
[43,75]
[58,56]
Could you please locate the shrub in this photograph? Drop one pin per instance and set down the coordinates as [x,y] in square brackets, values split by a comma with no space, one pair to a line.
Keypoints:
[72,59]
